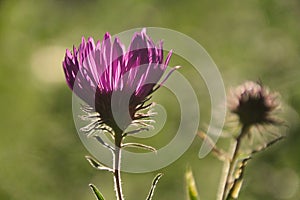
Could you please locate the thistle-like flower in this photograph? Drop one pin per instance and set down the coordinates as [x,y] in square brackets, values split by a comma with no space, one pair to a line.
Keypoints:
[115,83]
[254,104]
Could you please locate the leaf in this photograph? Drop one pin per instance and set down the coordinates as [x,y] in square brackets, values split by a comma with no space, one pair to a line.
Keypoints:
[140,146]
[104,143]
[135,131]
[235,191]
[96,164]
[191,185]
[264,147]
[219,153]
[97,193]
[238,181]
[153,186]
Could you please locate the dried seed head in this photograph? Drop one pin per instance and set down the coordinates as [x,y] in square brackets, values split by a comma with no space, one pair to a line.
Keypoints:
[254,104]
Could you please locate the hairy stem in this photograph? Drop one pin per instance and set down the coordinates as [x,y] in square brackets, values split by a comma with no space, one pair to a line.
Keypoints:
[229,166]
[117,167]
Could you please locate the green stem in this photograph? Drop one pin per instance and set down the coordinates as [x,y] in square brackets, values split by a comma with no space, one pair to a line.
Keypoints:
[117,166]
[229,171]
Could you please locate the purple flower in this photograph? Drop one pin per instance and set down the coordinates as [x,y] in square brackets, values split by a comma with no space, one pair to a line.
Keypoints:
[116,83]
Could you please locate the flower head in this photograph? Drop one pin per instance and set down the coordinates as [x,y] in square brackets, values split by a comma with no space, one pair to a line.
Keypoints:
[254,104]
[115,83]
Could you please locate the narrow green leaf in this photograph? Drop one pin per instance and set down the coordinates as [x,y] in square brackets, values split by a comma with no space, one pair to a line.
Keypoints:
[235,191]
[238,181]
[96,164]
[191,185]
[269,144]
[153,186]
[135,131]
[97,193]
[219,153]
[99,139]
[140,146]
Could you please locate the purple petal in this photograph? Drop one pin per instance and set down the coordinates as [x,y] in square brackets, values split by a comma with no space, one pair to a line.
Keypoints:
[106,62]
[168,58]
[138,52]
[117,62]
[160,52]
[70,68]
[75,80]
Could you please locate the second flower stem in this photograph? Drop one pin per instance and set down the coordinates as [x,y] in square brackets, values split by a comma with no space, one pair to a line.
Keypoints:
[232,163]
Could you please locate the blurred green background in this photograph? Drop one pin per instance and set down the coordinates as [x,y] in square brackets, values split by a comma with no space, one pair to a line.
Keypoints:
[41,155]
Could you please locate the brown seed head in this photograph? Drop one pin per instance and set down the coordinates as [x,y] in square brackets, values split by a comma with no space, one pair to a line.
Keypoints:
[254,104]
